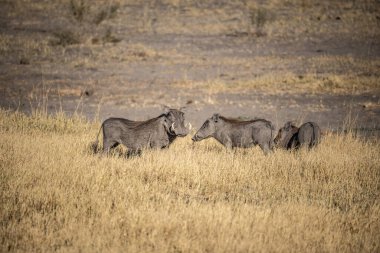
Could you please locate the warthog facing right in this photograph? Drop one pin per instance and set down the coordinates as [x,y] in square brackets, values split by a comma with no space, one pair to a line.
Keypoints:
[235,133]
[156,133]
[292,137]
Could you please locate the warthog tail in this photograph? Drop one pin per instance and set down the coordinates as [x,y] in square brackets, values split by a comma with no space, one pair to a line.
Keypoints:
[94,144]
[312,144]
[316,136]
[271,143]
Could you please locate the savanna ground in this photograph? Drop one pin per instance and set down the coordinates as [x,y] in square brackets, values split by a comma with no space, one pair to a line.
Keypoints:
[69,64]
[58,196]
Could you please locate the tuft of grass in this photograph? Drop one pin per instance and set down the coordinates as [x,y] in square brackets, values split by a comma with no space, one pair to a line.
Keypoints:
[291,82]
[78,9]
[110,38]
[107,12]
[57,196]
[258,18]
[141,51]
[40,122]
[65,38]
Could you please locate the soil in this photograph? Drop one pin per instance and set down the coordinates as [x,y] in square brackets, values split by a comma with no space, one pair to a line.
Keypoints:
[136,76]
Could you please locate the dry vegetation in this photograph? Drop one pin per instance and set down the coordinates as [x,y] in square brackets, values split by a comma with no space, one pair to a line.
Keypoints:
[228,46]
[56,196]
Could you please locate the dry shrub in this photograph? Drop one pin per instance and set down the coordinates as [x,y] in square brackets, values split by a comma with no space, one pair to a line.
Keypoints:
[57,196]
[291,82]
[109,37]
[258,18]
[107,12]
[65,38]
[79,8]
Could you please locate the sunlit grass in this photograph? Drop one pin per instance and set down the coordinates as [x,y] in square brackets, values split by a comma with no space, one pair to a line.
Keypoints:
[56,195]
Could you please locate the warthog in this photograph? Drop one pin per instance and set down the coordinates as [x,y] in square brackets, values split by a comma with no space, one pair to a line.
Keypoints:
[290,136]
[309,134]
[235,133]
[287,136]
[157,133]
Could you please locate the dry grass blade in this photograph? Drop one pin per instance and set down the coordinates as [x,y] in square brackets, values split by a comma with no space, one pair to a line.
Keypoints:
[56,196]
[78,9]
[106,13]
[65,38]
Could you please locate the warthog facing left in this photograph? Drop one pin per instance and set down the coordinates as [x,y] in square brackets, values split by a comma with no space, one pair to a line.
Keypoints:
[287,137]
[157,133]
[290,136]
[235,133]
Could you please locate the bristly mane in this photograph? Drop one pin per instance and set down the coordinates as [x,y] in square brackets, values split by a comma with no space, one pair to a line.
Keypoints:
[286,142]
[238,121]
[133,124]
[141,123]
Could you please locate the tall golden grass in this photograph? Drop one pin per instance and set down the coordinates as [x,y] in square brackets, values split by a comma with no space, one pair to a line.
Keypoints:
[57,196]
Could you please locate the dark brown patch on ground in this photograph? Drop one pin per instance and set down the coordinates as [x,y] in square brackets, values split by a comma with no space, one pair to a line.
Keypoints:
[272,60]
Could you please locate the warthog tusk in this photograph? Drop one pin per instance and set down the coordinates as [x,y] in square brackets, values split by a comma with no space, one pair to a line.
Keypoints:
[189,126]
[172,127]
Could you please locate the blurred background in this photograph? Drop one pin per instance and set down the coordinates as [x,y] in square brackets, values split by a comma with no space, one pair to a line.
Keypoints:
[279,60]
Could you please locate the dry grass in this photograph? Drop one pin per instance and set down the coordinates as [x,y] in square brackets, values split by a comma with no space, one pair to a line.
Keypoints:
[290,82]
[113,36]
[56,196]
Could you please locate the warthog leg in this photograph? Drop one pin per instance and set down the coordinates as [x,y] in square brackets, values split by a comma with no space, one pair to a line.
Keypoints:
[189,126]
[108,145]
[265,147]
[133,152]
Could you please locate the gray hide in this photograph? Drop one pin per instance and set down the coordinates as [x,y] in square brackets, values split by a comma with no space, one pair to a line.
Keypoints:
[287,137]
[309,134]
[290,136]
[156,133]
[235,133]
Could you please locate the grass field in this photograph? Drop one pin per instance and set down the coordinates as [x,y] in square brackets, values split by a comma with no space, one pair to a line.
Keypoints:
[281,60]
[57,196]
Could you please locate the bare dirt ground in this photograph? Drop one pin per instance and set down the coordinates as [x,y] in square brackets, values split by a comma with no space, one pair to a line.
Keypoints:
[278,60]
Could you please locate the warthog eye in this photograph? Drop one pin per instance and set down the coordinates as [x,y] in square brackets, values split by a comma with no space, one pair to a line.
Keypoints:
[205,125]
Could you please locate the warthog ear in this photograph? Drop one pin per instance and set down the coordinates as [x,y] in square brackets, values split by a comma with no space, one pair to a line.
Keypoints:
[183,108]
[165,108]
[288,125]
[165,123]
[169,115]
[215,117]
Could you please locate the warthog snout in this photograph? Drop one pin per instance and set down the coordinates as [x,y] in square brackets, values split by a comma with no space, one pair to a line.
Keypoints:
[179,129]
[195,138]
[188,126]
[172,128]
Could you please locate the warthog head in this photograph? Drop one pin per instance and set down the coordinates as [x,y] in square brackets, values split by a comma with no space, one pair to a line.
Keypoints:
[285,134]
[175,123]
[208,128]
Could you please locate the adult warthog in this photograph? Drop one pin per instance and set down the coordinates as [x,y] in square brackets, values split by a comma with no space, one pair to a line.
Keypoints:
[292,137]
[156,133]
[236,133]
